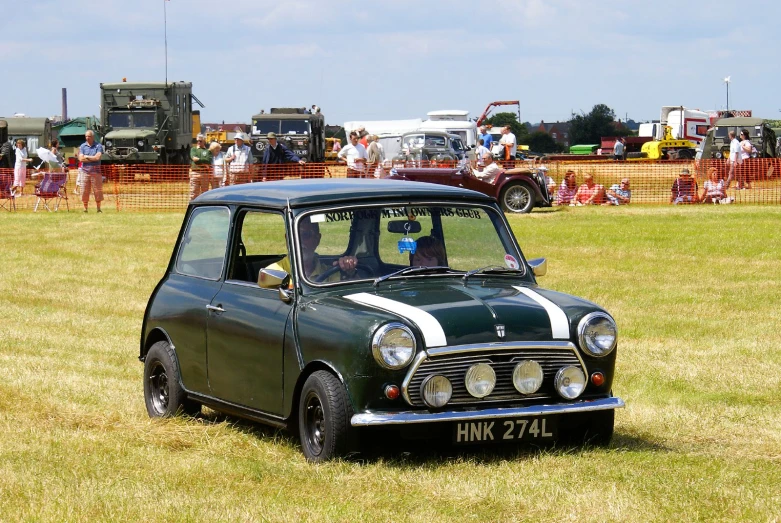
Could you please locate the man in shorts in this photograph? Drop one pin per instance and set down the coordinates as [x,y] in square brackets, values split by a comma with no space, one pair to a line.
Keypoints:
[89,156]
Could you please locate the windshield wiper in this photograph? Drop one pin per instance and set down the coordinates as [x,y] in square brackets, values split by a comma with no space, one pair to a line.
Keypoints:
[413,270]
[495,269]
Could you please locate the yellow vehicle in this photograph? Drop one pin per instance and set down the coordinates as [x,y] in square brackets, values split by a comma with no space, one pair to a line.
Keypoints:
[196,124]
[330,155]
[668,148]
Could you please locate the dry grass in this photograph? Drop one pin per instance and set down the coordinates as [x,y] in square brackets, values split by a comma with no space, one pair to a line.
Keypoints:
[695,292]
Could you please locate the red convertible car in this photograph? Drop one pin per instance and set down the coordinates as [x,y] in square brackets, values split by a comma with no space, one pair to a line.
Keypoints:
[516,193]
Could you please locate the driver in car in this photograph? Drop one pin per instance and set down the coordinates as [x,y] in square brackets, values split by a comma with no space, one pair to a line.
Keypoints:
[309,233]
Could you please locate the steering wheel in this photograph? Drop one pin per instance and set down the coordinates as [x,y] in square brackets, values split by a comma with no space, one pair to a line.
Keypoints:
[367,271]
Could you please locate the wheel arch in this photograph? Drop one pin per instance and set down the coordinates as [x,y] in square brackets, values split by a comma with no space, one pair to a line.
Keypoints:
[308,370]
[155,335]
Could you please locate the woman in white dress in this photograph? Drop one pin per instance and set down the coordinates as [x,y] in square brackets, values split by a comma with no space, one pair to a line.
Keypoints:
[20,169]
[218,165]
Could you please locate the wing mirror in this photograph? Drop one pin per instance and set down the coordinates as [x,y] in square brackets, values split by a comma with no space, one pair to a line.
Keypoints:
[539,266]
[272,278]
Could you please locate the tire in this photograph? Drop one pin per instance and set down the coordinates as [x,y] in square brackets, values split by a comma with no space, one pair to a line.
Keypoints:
[517,198]
[597,431]
[324,414]
[685,154]
[163,393]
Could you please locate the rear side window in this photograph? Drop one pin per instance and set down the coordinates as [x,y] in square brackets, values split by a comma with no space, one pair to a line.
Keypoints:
[202,252]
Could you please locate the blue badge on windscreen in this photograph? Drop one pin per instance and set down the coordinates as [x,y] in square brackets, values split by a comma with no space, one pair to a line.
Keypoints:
[407,244]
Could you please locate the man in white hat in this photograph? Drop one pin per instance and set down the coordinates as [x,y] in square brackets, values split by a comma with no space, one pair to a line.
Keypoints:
[239,158]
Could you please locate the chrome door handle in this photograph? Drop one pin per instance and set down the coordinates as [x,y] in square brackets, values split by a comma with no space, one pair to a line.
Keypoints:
[215,309]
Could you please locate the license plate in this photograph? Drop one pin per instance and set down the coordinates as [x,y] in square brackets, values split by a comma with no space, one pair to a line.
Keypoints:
[504,430]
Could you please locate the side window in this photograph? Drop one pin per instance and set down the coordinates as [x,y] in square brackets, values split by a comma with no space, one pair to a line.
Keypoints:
[202,253]
[261,242]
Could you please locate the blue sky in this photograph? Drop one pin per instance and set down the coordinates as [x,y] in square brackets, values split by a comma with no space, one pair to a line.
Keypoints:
[368,60]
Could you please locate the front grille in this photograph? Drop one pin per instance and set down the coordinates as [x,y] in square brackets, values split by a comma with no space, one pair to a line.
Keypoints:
[124,142]
[454,367]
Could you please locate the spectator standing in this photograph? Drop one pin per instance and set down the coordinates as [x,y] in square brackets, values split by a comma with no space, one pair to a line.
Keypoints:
[567,189]
[509,142]
[239,158]
[734,157]
[277,154]
[745,150]
[590,193]
[618,149]
[480,151]
[337,145]
[374,156]
[364,138]
[355,155]
[218,165]
[200,167]
[619,193]
[684,189]
[20,168]
[486,137]
[90,153]
[713,190]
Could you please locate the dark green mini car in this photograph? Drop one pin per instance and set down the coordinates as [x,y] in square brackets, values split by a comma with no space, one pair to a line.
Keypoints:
[340,307]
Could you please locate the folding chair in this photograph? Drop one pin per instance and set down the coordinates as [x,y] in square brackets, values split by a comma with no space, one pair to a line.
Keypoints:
[7,201]
[52,187]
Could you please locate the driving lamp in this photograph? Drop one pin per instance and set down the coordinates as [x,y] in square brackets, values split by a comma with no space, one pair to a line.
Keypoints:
[109,143]
[480,380]
[527,377]
[393,346]
[570,382]
[141,143]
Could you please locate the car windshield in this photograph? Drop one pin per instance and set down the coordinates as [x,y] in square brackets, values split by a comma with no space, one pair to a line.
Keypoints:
[457,145]
[388,238]
[265,126]
[132,119]
[295,127]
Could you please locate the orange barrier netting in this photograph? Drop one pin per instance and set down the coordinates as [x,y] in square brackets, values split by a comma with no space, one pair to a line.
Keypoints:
[165,187]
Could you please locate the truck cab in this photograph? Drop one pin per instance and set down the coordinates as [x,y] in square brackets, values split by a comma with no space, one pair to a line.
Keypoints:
[298,130]
[147,122]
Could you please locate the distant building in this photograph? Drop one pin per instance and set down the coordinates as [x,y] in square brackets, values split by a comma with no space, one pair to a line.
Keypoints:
[559,131]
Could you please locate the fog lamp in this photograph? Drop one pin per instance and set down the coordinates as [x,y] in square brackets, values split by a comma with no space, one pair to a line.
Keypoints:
[527,377]
[436,391]
[480,380]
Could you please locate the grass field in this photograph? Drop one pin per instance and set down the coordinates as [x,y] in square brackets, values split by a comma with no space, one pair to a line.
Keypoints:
[695,292]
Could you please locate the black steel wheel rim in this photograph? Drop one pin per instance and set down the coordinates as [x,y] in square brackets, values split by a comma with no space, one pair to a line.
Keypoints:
[314,423]
[158,387]
[517,198]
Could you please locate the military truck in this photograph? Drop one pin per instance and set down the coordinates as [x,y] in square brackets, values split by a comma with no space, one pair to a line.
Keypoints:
[300,131]
[147,122]
[716,143]
[36,132]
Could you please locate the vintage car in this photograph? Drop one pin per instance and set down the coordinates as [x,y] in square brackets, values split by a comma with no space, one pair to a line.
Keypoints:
[424,147]
[518,192]
[341,307]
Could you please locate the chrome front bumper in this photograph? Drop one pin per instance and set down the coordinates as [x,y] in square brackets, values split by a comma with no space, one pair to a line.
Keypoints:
[371,419]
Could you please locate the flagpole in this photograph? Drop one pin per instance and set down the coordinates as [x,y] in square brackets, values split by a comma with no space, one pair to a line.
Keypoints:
[165,33]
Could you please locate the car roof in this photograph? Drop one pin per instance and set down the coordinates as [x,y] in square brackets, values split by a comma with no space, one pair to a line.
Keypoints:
[303,193]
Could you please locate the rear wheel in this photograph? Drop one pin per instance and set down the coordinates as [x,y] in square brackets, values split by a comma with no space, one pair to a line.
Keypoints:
[163,394]
[517,198]
[685,154]
[324,414]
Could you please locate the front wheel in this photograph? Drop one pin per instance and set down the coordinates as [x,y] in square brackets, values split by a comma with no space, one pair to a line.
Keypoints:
[517,198]
[324,414]
[163,394]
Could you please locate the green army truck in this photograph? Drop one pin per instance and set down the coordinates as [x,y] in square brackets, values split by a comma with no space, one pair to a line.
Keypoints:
[147,122]
[761,135]
[300,131]
[36,132]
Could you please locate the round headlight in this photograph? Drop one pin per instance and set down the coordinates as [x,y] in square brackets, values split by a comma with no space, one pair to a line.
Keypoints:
[109,143]
[480,380]
[719,156]
[259,146]
[570,382]
[436,391]
[393,346]
[527,377]
[141,143]
[597,333]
